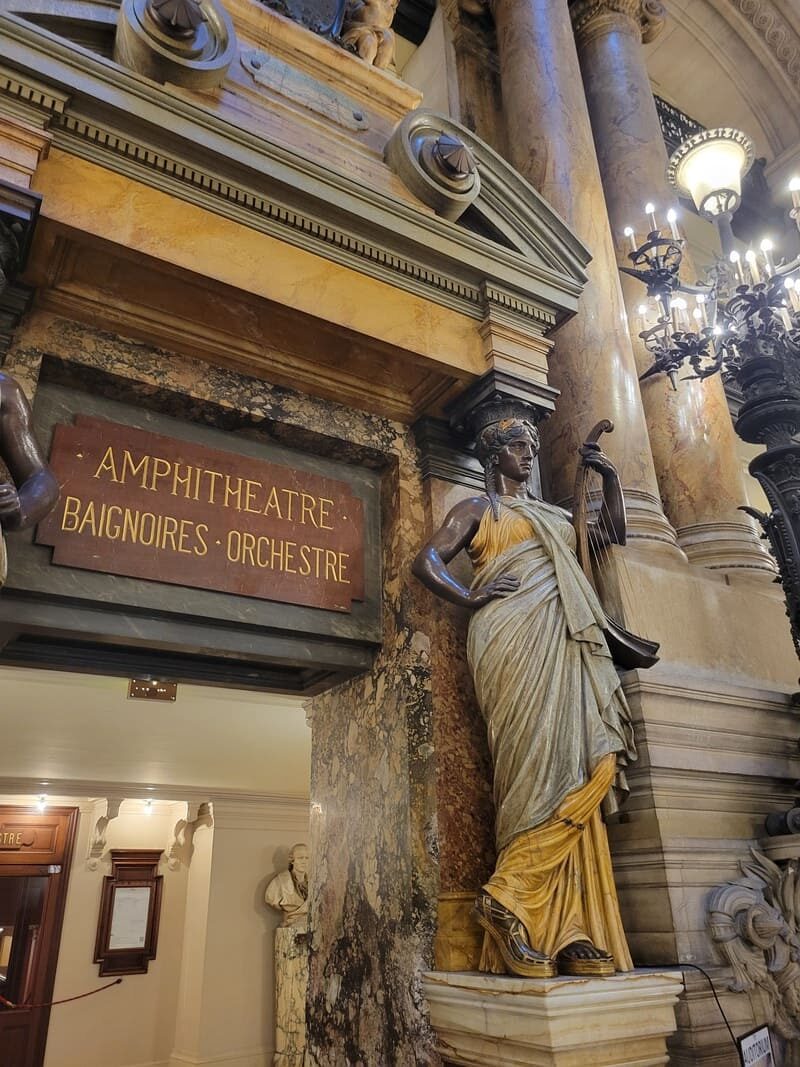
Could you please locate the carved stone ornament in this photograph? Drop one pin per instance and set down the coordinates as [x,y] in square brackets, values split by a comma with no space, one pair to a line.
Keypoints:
[186,42]
[178,18]
[588,16]
[427,152]
[754,922]
[98,838]
[368,30]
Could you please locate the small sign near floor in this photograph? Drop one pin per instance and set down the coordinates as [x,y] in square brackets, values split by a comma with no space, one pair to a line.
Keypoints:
[755,1048]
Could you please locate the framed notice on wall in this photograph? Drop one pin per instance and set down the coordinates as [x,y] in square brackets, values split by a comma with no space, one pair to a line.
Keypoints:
[130,907]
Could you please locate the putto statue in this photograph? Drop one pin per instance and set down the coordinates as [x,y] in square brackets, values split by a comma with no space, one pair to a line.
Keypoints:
[367,30]
[288,893]
[33,491]
[558,723]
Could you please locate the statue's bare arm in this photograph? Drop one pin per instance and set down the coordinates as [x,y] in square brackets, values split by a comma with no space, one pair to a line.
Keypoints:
[35,491]
[455,533]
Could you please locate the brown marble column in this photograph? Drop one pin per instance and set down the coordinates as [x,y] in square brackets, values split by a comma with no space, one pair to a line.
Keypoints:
[691,433]
[550,143]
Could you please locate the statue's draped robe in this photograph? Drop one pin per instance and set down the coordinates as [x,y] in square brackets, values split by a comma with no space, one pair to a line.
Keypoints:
[558,727]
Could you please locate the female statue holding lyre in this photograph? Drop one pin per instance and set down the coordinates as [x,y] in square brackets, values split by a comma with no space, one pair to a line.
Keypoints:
[558,723]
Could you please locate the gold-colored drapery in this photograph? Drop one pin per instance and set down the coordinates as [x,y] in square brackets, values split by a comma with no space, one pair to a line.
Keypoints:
[558,881]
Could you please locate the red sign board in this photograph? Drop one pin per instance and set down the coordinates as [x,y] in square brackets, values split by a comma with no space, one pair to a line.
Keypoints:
[149,506]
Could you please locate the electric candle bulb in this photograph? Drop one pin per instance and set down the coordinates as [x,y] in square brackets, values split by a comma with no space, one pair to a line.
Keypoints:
[735,260]
[794,293]
[794,189]
[752,263]
[766,248]
[672,216]
[680,307]
[632,237]
[42,803]
[717,331]
[642,309]
[649,209]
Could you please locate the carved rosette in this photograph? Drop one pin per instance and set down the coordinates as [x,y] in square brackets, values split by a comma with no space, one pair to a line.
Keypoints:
[592,17]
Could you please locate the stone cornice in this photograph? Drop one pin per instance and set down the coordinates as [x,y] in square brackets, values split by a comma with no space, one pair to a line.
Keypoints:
[589,16]
[104,114]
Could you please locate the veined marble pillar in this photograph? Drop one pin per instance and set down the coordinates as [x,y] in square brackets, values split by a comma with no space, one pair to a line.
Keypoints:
[691,433]
[550,143]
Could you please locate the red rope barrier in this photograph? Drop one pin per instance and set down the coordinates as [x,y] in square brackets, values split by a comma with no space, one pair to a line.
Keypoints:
[51,1003]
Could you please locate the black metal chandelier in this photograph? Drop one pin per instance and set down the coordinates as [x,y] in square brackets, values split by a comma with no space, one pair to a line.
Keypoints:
[742,321]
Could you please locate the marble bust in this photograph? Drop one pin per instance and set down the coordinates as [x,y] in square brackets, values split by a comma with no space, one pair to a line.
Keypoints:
[288,891]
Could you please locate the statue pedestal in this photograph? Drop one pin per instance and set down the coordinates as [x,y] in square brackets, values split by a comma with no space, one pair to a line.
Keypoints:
[553,1022]
[291,982]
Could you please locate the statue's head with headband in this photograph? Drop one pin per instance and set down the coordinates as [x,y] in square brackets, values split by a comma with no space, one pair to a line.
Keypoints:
[490,443]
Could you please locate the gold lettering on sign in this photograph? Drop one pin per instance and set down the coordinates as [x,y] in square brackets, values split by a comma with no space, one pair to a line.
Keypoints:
[224,490]
[10,839]
[149,506]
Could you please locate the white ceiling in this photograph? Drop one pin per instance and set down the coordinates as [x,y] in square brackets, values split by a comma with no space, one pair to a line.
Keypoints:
[60,727]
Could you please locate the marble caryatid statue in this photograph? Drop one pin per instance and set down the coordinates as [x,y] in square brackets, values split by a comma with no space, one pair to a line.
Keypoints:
[288,893]
[558,723]
[33,491]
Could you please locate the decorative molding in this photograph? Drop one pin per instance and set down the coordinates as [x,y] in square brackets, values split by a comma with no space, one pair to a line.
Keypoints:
[777,33]
[590,17]
[275,813]
[29,93]
[441,458]
[153,136]
[15,302]
[281,806]
[754,923]
[496,395]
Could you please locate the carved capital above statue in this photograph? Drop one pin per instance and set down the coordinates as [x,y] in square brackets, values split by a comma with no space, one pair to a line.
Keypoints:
[590,17]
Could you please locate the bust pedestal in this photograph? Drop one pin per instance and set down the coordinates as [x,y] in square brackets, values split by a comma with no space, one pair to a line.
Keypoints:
[291,981]
[553,1022]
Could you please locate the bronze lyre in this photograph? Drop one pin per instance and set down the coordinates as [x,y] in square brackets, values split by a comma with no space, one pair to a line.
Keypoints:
[628,650]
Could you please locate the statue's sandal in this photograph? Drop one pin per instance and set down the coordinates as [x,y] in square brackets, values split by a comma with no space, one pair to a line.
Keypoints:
[509,936]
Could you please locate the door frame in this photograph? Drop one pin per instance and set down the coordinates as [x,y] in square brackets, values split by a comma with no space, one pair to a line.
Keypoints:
[54,908]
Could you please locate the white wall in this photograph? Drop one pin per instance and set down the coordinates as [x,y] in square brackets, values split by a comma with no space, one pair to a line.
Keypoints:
[132,1023]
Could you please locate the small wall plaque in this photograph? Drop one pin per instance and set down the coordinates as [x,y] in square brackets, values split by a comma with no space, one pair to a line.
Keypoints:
[141,689]
[755,1048]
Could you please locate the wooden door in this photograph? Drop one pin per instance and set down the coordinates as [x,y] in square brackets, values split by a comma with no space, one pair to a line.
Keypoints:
[35,857]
